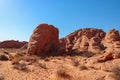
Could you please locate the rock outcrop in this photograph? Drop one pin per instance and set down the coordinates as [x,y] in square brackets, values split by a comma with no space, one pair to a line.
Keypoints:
[112,41]
[12,44]
[44,40]
[88,39]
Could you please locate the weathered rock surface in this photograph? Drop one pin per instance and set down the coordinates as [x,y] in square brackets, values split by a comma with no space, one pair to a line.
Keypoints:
[12,44]
[88,39]
[24,46]
[112,41]
[44,40]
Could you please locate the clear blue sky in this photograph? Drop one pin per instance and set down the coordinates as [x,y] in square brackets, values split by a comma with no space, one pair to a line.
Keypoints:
[18,18]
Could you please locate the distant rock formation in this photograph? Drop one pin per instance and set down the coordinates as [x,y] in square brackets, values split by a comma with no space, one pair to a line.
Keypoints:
[12,44]
[44,40]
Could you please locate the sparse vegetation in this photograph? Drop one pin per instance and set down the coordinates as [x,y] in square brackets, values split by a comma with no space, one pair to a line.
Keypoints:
[83,67]
[1,77]
[21,66]
[116,72]
[76,62]
[63,74]
[43,65]
[3,57]
[31,59]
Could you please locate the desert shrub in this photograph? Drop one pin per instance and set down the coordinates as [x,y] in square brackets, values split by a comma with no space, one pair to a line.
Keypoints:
[43,65]
[63,74]
[21,66]
[22,57]
[16,56]
[83,67]
[76,62]
[31,59]
[1,77]
[82,53]
[15,61]
[116,72]
[3,57]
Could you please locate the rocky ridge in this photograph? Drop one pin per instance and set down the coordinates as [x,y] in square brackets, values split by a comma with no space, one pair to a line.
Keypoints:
[12,44]
[44,41]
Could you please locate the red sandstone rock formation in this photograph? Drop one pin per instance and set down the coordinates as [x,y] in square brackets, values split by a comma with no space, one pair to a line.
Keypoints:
[44,40]
[12,44]
[24,46]
[112,41]
[84,40]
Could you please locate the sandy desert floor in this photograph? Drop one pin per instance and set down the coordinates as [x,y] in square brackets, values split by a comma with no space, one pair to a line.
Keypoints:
[75,67]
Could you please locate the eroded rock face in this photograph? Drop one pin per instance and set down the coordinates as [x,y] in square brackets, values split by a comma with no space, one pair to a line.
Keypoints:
[12,44]
[93,40]
[95,45]
[44,40]
[84,40]
[112,41]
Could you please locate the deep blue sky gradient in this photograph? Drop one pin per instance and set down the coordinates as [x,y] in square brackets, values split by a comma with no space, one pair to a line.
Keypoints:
[18,18]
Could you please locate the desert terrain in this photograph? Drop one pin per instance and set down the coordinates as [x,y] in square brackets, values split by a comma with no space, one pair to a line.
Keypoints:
[86,54]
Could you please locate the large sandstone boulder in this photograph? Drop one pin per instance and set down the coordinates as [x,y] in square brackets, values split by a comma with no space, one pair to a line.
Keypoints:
[44,40]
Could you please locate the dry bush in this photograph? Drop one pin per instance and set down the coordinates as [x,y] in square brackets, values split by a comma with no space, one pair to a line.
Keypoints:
[21,56]
[21,66]
[15,58]
[116,72]
[67,72]
[4,57]
[83,67]
[1,77]
[43,65]
[76,62]
[32,58]
[63,74]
